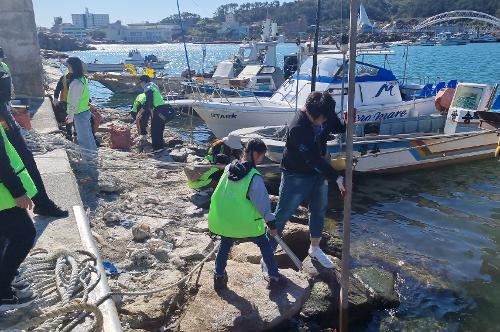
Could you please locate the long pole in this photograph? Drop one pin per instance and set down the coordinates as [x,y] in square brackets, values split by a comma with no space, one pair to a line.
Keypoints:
[297,73]
[346,242]
[315,54]
[184,40]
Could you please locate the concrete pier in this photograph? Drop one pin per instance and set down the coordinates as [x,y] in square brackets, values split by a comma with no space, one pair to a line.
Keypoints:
[20,43]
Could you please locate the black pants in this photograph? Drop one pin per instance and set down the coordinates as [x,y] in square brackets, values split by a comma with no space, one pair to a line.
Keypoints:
[161,115]
[17,140]
[133,115]
[143,121]
[18,232]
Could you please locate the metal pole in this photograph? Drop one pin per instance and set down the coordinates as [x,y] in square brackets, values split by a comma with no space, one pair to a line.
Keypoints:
[406,62]
[184,40]
[297,73]
[315,52]
[344,280]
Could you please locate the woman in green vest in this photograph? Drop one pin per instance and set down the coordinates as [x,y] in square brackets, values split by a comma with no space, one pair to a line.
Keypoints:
[16,227]
[78,105]
[241,209]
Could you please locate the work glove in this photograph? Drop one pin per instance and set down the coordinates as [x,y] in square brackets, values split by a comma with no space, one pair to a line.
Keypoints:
[341,184]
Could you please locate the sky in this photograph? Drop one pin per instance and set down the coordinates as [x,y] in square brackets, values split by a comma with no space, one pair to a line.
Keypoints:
[125,10]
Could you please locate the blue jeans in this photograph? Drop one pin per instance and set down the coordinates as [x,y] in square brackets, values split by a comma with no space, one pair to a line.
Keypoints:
[265,249]
[83,129]
[297,188]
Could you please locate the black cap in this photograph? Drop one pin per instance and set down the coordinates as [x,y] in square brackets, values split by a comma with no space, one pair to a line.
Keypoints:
[145,79]
[1,53]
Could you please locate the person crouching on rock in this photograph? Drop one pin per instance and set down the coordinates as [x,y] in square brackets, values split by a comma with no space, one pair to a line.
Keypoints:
[241,209]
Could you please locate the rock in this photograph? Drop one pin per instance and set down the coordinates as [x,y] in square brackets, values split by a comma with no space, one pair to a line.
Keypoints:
[173,142]
[427,324]
[150,200]
[142,258]
[297,238]
[380,284]
[201,198]
[160,249]
[200,227]
[110,185]
[141,232]
[246,252]
[194,211]
[194,247]
[192,158]
[315,271]
[180,155]
[111,217]
[319,306]
[332,245]
[247,305]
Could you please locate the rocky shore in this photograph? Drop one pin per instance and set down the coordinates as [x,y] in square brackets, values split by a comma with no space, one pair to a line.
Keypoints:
[152,229]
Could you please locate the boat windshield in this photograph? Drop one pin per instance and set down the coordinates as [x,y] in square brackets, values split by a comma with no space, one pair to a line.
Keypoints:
[250,70]
[467,97]
[326,66]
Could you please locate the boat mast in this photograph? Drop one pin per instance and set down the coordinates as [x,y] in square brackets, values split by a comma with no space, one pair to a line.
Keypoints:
[315,52]
[346,244]
[184,40]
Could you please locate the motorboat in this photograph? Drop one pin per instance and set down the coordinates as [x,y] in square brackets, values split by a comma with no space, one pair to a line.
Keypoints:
[379,96]
[448,39]
[469,130]
[127,83]
[135,58]
[424,40]
[483,38]
[94,67]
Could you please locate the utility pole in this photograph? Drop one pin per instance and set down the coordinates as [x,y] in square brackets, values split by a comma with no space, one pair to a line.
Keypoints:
[315,52]
[346,243]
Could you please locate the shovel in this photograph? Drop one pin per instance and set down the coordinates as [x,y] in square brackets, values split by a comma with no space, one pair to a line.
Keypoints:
[289,252]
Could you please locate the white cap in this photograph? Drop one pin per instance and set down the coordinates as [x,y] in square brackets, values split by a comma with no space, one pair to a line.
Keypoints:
[233,141]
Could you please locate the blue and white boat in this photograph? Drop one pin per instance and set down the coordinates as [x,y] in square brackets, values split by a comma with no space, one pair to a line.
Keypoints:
[468,131]
[379,95]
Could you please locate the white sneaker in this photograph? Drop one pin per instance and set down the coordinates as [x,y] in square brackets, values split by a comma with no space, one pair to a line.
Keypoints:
[263,266]
[318,254]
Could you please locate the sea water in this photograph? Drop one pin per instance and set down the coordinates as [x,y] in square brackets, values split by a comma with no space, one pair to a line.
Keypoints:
[437,230]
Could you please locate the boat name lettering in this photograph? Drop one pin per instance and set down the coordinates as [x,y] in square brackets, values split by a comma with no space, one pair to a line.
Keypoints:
[385,87]
[224,116]
[382,116]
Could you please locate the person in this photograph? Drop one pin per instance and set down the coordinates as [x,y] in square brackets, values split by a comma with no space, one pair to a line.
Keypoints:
[78,111]
[240,209]
[5,68]
[44,206]
[155,108]
[16,227]
[220,153]
[306,169]
[137,105]
[60,102]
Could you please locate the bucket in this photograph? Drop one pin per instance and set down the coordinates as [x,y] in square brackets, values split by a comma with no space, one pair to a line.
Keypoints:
[121,138]
[338,163]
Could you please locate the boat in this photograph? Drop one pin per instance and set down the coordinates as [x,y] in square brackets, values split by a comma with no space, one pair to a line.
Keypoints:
[448,39]
[380,96]
[127,83]
[94,67]
[483,38]
[465,132]
[135,58]
[424,40]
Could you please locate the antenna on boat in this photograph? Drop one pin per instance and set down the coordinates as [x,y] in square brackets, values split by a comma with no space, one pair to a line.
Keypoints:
[315,52]
[184,40]
[346,241]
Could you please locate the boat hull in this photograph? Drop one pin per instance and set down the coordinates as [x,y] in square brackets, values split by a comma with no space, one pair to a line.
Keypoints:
[399,155]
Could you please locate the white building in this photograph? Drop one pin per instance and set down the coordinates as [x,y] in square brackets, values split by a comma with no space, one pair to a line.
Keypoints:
[89,20]
[73,31]
[232,29]
[141,32]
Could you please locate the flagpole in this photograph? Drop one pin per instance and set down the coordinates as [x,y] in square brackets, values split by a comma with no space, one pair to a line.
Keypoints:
[344,280]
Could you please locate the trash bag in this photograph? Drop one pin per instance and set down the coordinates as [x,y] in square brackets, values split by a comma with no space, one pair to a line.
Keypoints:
[24,120]
[121,138]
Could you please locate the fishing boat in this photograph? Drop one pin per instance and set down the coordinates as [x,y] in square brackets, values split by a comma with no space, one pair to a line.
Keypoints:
[430,140]
[424,40]
[135,58]
[448,39]
[380,96]
[94,67]
[483,38]
[127,83]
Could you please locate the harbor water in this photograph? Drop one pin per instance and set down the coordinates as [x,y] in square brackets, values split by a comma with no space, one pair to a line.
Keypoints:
[437,230]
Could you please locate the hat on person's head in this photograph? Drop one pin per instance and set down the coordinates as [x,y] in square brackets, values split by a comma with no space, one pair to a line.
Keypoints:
[144,78]
[233,141]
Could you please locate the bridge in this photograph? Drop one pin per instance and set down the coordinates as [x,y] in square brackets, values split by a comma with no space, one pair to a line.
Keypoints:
[458,15]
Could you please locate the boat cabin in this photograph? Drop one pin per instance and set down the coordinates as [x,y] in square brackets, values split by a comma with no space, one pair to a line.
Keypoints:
[258,78]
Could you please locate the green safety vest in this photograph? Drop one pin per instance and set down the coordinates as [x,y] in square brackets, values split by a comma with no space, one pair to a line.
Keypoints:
[204,180]
[231,213]
[83,102]
[5,68]
[6,199]
[139,100]
[157,98]
[210,156]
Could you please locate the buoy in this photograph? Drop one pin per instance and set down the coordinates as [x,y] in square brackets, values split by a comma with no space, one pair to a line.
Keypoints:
[497,151]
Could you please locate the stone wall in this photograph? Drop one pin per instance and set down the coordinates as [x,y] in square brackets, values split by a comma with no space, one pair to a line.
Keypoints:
[19,40]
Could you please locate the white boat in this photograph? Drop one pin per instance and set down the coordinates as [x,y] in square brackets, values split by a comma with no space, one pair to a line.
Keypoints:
[94,67]
[424,40]
[135,58]
[483,38]
[412,143]
[448,39]
[380,96]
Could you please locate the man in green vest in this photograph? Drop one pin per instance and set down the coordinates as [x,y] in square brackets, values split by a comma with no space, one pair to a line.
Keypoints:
[159,111]
[43,204]
[16,227]
[140,117]
[240,209]
[139,101]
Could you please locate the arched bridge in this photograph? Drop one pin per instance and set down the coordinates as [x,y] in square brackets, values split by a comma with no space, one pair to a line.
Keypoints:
[458,15]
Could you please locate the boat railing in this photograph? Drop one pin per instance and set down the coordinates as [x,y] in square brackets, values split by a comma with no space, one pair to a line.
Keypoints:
[284,98]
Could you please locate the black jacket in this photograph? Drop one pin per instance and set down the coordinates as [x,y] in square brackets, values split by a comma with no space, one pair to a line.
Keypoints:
[305,148]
